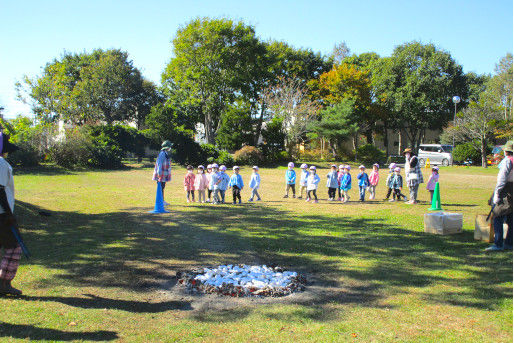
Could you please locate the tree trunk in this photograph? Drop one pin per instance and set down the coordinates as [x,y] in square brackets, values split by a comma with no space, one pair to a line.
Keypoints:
[400,142]
[259,125]
[386,140]
[356,144]
[333,146]
[209,134]
[483,150]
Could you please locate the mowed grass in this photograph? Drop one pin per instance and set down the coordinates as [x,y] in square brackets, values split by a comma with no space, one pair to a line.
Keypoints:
[102,267]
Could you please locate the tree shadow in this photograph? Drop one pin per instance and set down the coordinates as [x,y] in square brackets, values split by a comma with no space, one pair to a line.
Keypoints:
[137,251]
[32,332]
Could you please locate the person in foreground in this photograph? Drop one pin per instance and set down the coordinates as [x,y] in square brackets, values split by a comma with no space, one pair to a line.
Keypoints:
[12,250]
[162,170]
[501,202]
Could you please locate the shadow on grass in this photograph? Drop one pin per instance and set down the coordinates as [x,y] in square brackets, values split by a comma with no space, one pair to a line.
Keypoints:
[32,332]
[362,260]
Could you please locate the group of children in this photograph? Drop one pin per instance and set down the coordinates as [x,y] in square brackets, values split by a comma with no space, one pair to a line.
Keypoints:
[214,181]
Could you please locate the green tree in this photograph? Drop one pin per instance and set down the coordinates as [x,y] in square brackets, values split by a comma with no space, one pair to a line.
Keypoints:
[235,127]
[213,61]
[89,87]
[337,124]
[416,84]
[499,87]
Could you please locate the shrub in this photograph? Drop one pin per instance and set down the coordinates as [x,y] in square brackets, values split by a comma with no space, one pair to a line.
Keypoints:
[26,156]
[127,138]
[466,151]
[248,155]
[225,158]
[369,154]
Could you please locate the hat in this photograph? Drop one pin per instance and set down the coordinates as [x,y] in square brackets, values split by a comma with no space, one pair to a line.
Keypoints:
[408,150]
[214,165]
[223,168]
[235,167]
[304,166]
[166,145]
[312,168]
[333,166]
[201,167]
[392,165]
[508,146]
[5,145]
[209,166]
[341,166]
[190,167]
[362,167]
[376,165]
[397,169]
[435,168]
[347,167]
[290,165]
[255,167]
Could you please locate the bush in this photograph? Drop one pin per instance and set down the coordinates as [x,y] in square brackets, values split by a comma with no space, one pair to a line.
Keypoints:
[465,151]
[248,155]
[127,138]
[26,156]
[370,154]
[225,158]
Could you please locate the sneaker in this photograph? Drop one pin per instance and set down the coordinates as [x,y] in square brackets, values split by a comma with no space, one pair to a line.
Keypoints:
[300,197]
[286,196]
[308,199]
[392,200]
[250,200]
[316,201]
[239,202]
[494,248]
[294,196]
[259,199]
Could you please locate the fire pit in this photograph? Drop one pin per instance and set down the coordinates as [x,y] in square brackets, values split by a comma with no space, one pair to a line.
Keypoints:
[242,280]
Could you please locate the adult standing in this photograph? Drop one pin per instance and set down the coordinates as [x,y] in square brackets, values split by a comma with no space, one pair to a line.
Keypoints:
[502,202]
[12,250]
[162,170]
[413,175]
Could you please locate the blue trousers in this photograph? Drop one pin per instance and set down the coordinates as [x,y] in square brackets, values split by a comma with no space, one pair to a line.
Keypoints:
[498,231]
[362,192]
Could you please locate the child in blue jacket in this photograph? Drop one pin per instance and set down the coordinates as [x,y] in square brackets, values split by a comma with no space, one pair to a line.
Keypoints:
[363,182]
[236,182]
[221,185]
[346,184]
[290,180]
[332,182]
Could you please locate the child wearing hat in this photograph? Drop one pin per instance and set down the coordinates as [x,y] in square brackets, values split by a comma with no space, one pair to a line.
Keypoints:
[332,182]
[340,175]
[236,182]
[162,169]
[432,180]
[208,175]
[255,182]
[397,184]
[312,184]
[189,184]
[290,180]
[363,182]
[373,181]
[303,180]
[201,183]
[221,185]
[346,184]
[212,183]
[389,180]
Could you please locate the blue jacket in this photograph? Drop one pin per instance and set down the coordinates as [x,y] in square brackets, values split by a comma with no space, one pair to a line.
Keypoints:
[397,181]
[363,180]
[290,177]
[332,179]
[236,180]
[223,185]
[255,181]
[346,182]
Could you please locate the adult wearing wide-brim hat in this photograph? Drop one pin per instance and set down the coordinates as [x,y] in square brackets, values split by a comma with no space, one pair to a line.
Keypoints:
[12,250]
[413,174]
[501,202]
[162,170]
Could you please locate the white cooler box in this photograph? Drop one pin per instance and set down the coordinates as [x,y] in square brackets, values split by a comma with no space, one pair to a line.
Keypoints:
[443,223]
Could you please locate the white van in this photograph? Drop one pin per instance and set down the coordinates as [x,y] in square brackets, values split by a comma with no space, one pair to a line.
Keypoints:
[436,153]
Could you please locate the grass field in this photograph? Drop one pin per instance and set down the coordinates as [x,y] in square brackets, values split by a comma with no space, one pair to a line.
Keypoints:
[103,267]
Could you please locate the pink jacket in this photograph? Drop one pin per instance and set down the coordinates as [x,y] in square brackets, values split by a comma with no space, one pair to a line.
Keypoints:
[432,180]
[201,182]
[373,178]
[189,182]
[339,177]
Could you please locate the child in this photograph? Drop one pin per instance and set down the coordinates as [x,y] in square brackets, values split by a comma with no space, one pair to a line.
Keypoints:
[290,179]
[397,184]
[373,181]
[236,182]
[332,182]
[303,179]
[432,180]
[340,175]
[221,185]
[212,184]
[363,182]
[346,184]
[389,180]
[209,176]
[312,184]
[255,182]
[189,184]
[201,183]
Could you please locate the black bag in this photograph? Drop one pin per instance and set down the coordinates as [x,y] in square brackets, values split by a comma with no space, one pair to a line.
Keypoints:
[504,207]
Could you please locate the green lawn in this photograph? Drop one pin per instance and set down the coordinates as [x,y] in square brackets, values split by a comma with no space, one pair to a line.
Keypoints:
[104,265]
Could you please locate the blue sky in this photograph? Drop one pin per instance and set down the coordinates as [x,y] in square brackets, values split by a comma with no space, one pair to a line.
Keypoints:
[32,33]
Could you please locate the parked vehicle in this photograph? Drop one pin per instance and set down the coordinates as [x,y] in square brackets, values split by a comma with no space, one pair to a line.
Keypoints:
[496,155]
[436,153]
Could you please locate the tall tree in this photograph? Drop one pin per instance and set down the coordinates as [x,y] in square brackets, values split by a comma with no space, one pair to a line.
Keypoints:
[213,61]
[499,87]
[417,84]
[88,87]
[340,52]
